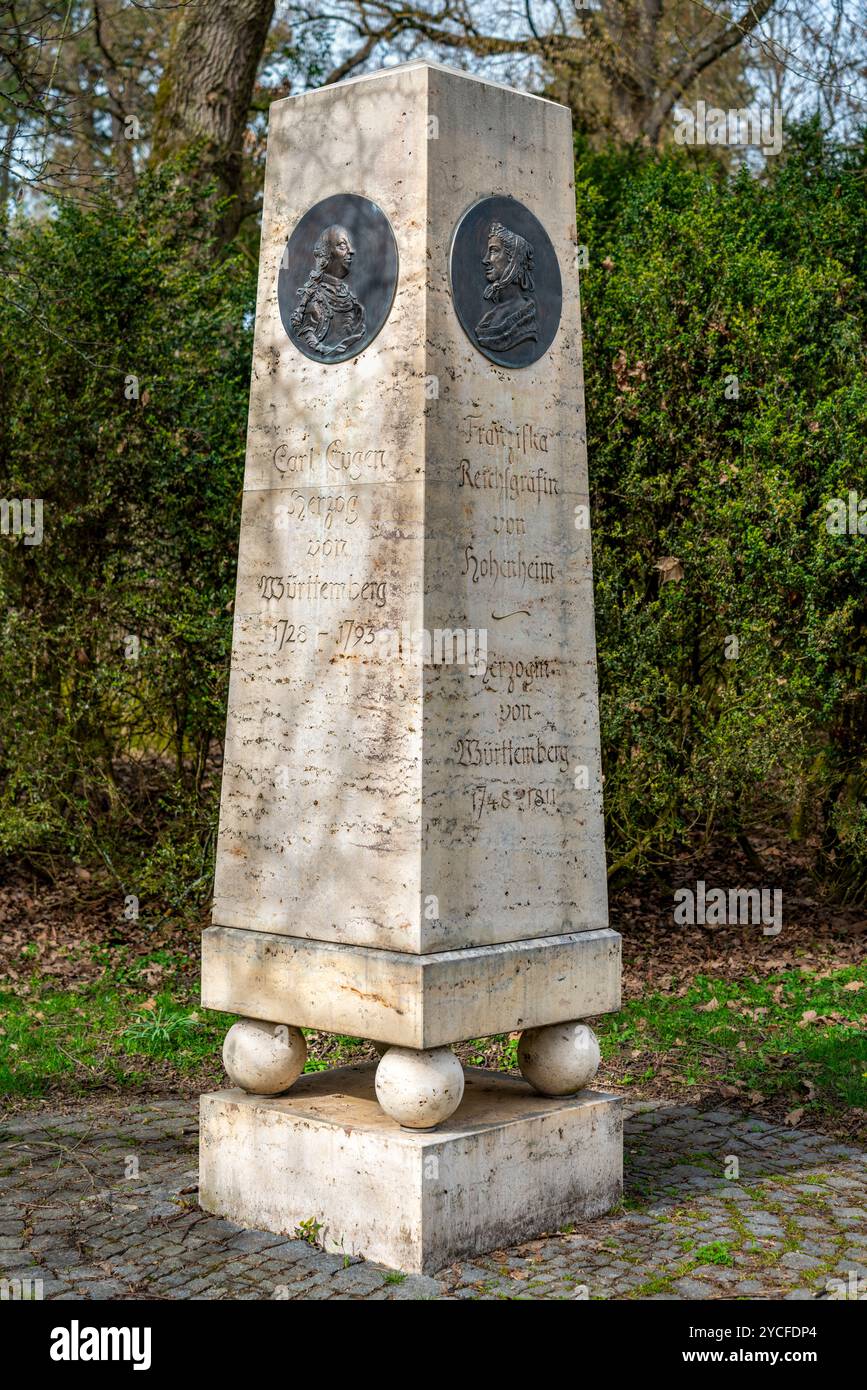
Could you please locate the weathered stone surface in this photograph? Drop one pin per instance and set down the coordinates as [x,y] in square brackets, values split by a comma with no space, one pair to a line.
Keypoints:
[560,1059]
[406,1000]
[419,1089]
[415,488]
[264,1057]
[506,1166]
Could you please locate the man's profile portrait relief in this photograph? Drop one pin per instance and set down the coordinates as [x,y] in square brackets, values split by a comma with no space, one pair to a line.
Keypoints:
[329,318]
[508,266]
[506,286]
[337,278]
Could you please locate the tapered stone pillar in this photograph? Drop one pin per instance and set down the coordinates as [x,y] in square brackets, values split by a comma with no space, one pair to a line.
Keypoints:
[411,840]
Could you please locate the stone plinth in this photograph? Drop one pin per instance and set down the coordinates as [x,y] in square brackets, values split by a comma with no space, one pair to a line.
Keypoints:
[411,1001]
[508,1165]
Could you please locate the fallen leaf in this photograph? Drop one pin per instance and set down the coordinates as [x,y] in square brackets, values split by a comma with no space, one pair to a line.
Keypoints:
[670,568]
[624,375]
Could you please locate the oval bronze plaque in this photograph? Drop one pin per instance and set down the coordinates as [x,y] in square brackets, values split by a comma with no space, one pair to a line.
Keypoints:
[506,285]
[337,278]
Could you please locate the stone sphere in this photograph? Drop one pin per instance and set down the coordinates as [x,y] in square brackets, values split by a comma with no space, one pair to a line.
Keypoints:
[560,1059]
[264,1058]
[419,1089]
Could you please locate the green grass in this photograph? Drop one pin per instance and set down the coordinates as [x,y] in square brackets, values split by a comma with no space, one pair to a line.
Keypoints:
[110,1030]
[114,1029]
[717,1253]
[767,1042]
[118,1027]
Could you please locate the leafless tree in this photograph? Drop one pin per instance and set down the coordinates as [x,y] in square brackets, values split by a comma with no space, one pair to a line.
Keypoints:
[623,65]
[91,90]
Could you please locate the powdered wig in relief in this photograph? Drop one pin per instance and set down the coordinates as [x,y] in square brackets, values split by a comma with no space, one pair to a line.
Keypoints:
[328,317]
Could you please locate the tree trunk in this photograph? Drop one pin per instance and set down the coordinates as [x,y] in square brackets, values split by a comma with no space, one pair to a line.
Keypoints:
[206,90]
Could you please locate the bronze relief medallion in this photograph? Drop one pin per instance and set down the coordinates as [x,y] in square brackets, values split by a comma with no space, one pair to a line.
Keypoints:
[506,285]
[337,279]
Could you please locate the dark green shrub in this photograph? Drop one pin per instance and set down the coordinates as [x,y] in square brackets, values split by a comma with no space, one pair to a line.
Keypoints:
[105,746]
[708,278]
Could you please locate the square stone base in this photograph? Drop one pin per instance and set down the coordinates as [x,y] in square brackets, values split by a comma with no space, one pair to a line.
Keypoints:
[507,1166]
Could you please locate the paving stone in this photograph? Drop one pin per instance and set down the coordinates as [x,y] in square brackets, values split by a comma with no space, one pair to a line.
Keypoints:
[694,1288]
[256,1240]
[796,1259]
[102,1290]
[721,1273]
[358,1280]
[15,1263]
[122,1237]
[471,1274]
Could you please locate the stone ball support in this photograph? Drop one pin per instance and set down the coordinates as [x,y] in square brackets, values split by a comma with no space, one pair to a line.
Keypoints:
[264,1058]
[560,1059]
[419,1089]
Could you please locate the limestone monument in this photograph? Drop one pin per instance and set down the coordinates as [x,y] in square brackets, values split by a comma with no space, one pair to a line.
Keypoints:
[411,841]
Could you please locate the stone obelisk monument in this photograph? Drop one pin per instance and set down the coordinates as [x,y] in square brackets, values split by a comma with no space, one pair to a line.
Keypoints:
[411,839]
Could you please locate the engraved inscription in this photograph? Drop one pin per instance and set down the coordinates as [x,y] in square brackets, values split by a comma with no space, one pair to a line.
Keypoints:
[517,759]
[337,458]
[488,568]
[315,589]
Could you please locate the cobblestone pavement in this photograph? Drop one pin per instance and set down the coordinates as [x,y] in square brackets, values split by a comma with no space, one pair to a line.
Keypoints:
[102,1205]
